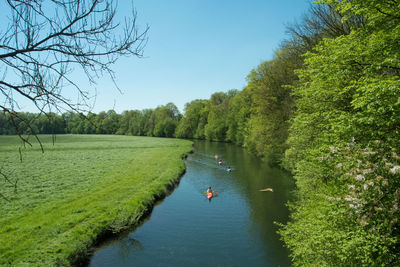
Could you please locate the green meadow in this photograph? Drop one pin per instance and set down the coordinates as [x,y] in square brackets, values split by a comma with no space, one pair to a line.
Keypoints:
[80,189]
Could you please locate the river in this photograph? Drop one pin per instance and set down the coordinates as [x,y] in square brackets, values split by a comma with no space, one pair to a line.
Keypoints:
[236,228]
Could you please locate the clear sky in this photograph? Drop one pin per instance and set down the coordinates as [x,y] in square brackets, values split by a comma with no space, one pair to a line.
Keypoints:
[196,48]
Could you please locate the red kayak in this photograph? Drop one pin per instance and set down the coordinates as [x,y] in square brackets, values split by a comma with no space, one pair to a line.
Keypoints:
[209,195]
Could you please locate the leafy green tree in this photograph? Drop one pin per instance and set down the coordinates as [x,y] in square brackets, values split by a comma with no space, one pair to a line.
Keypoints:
[130,123]
[344,144]
[49,123]
[89,124]
[217,125]
[3,124]
[190,123]
[165,120]
[238,116]
[148,119]
[270,86]
[110,122]
[74,122]
[138,123]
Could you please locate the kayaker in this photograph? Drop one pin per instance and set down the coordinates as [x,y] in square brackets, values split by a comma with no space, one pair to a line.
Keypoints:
[220,162]
[209,190]
[229,169]
[216,156]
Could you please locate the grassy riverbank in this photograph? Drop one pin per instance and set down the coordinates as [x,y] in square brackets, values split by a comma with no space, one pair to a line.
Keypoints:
[77,190]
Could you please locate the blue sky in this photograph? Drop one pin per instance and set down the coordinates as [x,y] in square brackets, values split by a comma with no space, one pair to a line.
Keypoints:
[195,48]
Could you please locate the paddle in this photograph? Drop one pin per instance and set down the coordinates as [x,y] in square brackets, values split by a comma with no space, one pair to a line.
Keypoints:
[216,191]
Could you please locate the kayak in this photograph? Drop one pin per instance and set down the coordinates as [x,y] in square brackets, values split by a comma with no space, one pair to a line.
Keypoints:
[209,195]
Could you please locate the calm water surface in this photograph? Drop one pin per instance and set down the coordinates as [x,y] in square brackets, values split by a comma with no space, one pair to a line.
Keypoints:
[235,228]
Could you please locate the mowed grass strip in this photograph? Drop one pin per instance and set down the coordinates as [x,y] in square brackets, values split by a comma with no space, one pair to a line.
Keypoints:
[78,189]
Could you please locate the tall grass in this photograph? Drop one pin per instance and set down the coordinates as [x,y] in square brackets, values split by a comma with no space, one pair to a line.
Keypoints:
[77,190]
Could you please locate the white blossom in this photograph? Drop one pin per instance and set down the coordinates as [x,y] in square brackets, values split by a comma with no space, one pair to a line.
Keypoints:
[332,198]
[395,170]
[339,165]
[395,156]
[333,149]
[368,153]
[347,174]
[367,171]
[360,178]
[352,142]
[351,199]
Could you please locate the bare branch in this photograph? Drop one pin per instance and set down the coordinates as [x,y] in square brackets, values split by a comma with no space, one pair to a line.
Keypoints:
[46,42]
[43,50]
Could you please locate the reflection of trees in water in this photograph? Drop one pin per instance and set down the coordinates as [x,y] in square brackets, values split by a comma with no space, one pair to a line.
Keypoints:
[126,245]
[204,165]
[250,175]
[268,208]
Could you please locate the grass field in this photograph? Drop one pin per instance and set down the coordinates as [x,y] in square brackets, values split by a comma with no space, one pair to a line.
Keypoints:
[80,188]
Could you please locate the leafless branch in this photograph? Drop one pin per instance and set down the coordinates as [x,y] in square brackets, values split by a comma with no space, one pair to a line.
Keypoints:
[46,42]
[40,50]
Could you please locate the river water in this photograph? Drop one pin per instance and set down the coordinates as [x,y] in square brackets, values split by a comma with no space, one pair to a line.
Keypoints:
[235,228]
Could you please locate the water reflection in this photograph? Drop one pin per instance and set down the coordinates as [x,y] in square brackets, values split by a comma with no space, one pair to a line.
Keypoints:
[234,228]
[126,245]
[264,208]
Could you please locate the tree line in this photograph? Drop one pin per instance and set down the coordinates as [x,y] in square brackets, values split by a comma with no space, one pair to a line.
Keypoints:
[326,108]
[160,121]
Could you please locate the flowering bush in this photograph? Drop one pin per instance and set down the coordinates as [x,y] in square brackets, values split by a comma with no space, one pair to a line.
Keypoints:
[372,177]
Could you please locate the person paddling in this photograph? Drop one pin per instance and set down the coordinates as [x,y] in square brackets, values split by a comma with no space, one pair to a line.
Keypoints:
[229,169]
[209,193]
[220,162]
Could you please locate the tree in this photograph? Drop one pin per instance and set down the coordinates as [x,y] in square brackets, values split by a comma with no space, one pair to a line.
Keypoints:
[321,21]
[46,41]
[344,145]
[238,116]
[165,119]
[110,123]
[217,125]
[190,123]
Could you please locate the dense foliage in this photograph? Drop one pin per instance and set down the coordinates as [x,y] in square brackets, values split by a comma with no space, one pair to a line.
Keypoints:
[344,144]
